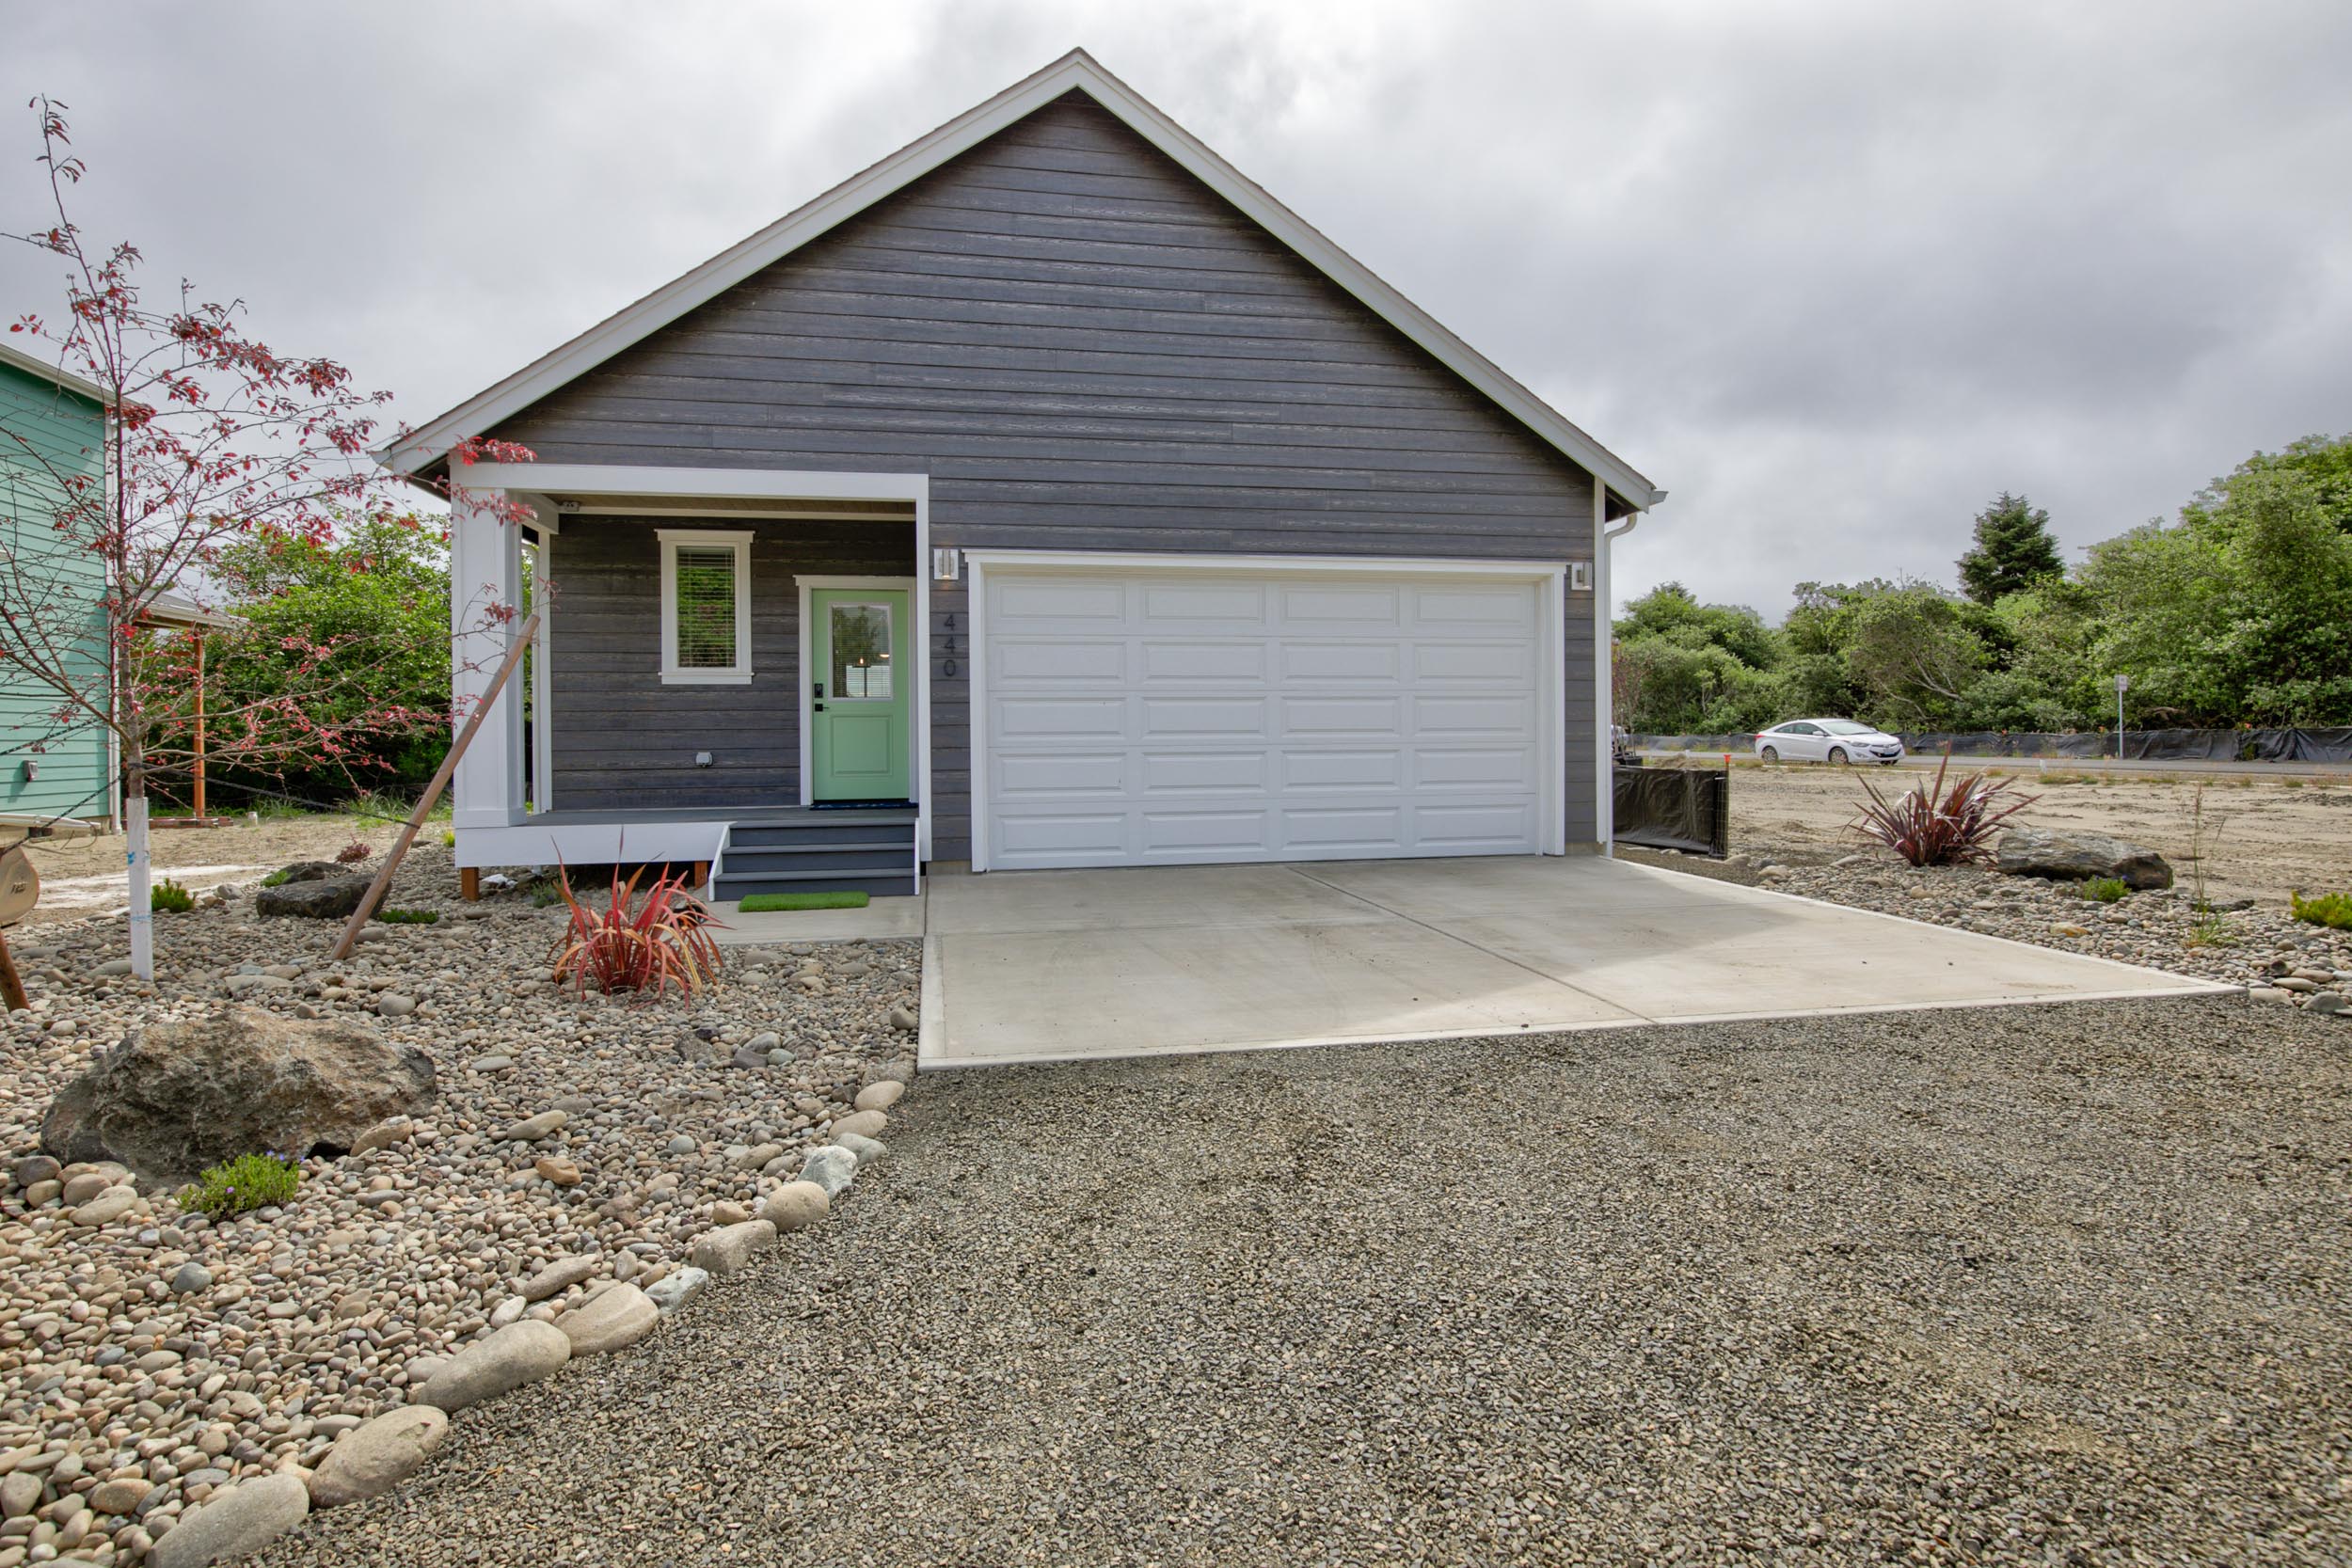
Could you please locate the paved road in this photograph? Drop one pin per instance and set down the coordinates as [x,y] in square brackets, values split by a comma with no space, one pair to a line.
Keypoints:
[2007,1285]
[2341,772]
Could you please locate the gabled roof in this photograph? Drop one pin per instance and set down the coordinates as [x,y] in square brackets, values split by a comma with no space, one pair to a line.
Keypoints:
[419,449]
[32,364]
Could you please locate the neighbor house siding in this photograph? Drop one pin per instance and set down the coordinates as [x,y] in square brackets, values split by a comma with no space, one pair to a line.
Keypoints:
[1085,348]
[624,739]
[56,584]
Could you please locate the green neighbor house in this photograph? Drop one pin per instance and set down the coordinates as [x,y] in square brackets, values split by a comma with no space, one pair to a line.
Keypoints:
[46,773]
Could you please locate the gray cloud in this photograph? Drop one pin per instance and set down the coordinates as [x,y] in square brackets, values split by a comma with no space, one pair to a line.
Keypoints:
[1833,273]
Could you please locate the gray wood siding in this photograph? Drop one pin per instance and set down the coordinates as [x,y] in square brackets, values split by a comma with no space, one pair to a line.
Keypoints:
[1086,349]
[622,738]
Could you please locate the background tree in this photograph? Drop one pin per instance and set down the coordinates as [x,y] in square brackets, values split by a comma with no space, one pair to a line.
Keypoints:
[214,439]
[374,602]
[2014,550]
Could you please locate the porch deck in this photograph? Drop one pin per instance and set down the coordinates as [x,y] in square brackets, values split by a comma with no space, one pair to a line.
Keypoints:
[741,849]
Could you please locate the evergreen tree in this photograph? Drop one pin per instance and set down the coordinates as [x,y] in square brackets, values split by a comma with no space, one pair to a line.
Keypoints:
[2014,551]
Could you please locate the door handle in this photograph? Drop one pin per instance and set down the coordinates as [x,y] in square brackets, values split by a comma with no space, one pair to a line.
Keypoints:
[816,708]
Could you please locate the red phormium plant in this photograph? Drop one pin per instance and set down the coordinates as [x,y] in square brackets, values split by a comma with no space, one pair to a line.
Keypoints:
[353,853]
[662,942]
[1931,824]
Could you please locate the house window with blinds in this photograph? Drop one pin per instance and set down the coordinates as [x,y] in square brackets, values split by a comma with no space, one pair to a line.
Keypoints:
[706,606]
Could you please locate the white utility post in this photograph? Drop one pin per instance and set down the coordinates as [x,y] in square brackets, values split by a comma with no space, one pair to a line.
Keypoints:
[2123,683]
[485,593]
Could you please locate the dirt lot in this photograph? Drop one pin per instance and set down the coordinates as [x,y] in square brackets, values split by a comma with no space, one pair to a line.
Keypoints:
[2260,837]
[84,876]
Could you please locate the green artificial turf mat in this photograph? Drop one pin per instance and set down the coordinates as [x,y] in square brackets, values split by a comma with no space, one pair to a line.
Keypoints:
[762,903]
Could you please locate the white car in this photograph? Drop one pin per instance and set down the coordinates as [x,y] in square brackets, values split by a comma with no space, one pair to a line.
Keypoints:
[1834,740]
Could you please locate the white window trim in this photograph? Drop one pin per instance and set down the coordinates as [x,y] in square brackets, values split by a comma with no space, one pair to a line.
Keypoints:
[739,540]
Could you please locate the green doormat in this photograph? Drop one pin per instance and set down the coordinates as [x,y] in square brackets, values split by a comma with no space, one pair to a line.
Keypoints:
[761,903]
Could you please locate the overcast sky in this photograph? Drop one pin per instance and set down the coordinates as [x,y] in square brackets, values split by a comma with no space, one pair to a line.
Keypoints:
[1831,274]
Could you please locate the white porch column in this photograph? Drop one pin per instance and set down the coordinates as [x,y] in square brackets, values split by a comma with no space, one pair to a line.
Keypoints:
[486,589]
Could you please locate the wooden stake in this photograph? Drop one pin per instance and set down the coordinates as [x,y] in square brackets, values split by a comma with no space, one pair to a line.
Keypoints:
[469,883]
[432,795]
[11,983]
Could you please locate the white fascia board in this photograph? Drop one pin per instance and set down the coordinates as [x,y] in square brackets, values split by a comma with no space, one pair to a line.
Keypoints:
[1075,71]
[1120,561]
[714,484]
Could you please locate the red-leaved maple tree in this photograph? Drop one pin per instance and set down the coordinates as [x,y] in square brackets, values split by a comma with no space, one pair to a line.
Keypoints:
[211,438]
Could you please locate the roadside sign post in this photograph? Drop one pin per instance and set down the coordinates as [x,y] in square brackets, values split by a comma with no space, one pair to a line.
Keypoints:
[2123,683]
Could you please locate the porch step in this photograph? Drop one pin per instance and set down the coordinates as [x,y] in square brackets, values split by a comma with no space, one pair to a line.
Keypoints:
[727,888]
[827,827]
[845,851]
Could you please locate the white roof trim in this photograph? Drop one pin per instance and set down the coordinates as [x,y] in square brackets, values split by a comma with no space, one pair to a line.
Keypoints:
[32,364]
[1075,71]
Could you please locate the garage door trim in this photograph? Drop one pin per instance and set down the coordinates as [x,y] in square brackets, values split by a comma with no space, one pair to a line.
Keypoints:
[1551,636]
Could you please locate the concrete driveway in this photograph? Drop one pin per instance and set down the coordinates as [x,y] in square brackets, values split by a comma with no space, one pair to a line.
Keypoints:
[1059,965]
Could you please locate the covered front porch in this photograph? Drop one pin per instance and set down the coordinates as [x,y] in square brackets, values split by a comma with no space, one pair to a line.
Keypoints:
[728,672]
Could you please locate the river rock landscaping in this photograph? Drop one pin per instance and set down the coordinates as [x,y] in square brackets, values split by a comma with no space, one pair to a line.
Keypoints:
[560,1173]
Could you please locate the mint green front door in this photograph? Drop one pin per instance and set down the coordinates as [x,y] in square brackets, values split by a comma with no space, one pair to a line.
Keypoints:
[857,709]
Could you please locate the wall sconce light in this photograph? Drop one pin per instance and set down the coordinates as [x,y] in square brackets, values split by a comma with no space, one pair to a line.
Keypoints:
[1579,576]
[946,566]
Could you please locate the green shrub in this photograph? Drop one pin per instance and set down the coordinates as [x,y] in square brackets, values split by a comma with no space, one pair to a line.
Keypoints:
[2211,932]
[2332,909]
[170,897]
[248,1182]
[409,918]
[2106,890]
[275,878]
[449,838]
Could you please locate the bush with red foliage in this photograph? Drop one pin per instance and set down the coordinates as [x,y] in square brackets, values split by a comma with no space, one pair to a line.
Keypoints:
[353,853]
[1933,824]
[644,945]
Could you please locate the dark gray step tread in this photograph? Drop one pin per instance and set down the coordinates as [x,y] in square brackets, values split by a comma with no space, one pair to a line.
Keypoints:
[823,846]
[833,872]
[876,887]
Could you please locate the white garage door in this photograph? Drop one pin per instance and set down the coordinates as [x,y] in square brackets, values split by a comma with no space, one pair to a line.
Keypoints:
[1156,716]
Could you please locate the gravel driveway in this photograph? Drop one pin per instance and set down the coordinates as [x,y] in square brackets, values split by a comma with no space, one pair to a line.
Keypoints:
[2052,1284]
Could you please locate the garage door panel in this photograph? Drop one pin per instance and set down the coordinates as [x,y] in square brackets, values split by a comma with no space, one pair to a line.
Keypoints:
[1165,662]
[1332,829]
[1211,718]
[1061,663]
[1494,610]
[1335,607]
[1018,719]
[1186,717]
[1357,663]
[1474,767]
[1065,838]
[1172,773]
[1472,830]
[1052,605]
[1020,776]
[1380,717]
[1467,716]
[1303,769]
[1485,664]
[1207,606]
[1224,834]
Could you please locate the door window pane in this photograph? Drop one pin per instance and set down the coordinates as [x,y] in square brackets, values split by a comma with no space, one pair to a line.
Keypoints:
[861,651]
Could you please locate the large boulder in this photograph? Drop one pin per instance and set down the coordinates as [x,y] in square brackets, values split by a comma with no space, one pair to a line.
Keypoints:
[2079,856]
[181,1096]
[311,871]
[326,899]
